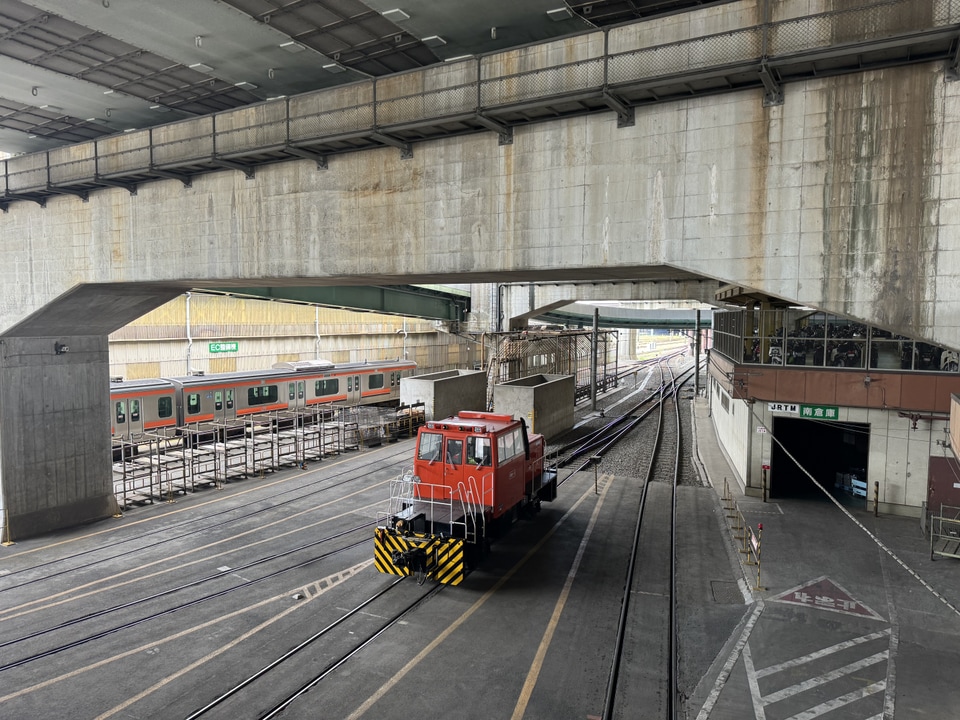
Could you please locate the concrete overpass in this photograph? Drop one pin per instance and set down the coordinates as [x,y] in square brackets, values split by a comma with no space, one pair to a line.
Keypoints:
[838,192]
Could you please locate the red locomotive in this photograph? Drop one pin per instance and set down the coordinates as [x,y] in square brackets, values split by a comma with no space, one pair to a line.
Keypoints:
[472,475]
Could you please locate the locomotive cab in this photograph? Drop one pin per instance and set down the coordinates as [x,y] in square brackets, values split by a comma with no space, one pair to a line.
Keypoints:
[473,473]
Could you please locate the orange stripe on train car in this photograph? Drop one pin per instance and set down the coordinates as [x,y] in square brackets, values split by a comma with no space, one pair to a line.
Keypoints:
[262,408]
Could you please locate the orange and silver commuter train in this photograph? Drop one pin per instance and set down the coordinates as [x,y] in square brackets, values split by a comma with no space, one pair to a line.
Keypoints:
[473,474]
[139,406]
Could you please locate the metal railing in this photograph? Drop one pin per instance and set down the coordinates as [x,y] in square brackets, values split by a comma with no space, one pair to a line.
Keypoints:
[479,87]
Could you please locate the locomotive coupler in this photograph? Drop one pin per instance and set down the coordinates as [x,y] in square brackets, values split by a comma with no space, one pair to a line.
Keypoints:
[414,560]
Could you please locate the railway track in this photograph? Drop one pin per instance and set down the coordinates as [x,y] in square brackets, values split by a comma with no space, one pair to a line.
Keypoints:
[202,524]
[648,617]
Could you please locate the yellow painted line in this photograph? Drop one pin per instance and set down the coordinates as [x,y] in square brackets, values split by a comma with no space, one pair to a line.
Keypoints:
[233,643]
[537,666]
[387,686]
[183,633]
[67,596]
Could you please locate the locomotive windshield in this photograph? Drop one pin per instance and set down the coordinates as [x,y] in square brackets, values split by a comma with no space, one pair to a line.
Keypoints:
[429,446]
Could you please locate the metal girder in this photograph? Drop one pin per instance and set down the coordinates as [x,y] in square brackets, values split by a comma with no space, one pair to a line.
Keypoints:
[504,131]
[82,194]
[624,112]
[321,160]
[678,319]
[247,170]
[129,187]
[952,72]
[41,201]
[774,90]
[390,300]
[187,180]
[406,149]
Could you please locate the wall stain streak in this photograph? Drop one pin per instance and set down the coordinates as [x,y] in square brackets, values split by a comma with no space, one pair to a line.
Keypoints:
[879,137]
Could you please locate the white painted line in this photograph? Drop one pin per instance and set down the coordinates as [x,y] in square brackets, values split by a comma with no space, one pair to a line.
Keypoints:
[752,682]
[830,705]
[728,665]
[821,653]
[825,678]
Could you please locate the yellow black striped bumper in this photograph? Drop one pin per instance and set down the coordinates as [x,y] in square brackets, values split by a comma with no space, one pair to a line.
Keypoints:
[440,559]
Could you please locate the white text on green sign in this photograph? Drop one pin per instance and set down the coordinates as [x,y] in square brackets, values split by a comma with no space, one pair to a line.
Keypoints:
[222,347]
[820,412]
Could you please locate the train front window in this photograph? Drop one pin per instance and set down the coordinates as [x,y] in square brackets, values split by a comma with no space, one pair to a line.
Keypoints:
[478,451]
[454,454]
[164,407]
[193,403]
[429,446]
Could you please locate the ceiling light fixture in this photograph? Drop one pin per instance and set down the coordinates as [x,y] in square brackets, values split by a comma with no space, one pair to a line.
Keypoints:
[201,67]
[334,68]
[51,108]
[395,15]
[293,47]
[244,85]
[561,13]
[434,41]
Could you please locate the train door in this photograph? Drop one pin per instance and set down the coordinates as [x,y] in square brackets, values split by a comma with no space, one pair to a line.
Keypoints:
[120,419]
[353,390]
[301,394]
[453,462]
[135,419]
[223,405]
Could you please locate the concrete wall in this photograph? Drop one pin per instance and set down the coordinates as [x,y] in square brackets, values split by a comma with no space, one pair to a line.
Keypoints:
[54,410]
[445,393]
[844,198]
[545,401]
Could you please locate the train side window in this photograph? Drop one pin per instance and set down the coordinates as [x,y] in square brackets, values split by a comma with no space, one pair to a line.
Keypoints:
[229,399]
[478,451]
[326,387]
[301,389]
[262,395]
[507,447]
[376,381]
[164,407]
[135,411]
[121,412]
[350,384]
[429,448]
[193,403]
[218,400]
[292,390]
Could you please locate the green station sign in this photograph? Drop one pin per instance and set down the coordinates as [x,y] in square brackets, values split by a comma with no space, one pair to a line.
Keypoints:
[820,412]
[222,347]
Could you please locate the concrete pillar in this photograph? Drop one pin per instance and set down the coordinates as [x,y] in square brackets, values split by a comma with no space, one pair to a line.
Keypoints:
[55,462]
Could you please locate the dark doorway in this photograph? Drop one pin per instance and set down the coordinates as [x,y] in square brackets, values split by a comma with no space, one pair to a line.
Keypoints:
[825,449]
